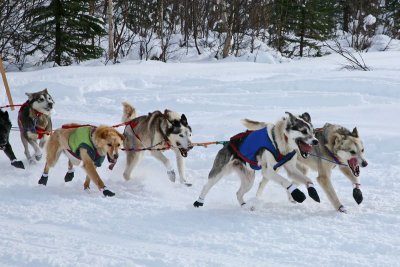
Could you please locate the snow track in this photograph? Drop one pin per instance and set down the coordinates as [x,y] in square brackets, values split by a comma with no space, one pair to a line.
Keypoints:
[151,222]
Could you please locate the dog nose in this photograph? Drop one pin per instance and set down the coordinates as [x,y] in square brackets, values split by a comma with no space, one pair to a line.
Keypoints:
[50,105]
[364,163]
[116,156]
[315,142]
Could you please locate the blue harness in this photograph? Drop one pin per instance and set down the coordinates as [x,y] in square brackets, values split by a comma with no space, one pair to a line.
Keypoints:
[251,145]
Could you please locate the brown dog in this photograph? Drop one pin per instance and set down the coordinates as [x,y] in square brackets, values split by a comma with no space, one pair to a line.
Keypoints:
[83,143]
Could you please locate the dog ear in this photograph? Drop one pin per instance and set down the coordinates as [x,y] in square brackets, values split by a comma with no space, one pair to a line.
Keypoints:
[305,116]
[45,91]
[354,133]
[291,117]
[336,139]
[184,120]
[30,96]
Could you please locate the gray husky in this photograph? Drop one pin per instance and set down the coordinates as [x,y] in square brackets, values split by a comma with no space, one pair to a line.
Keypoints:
[337,147]
[35,123]
[267,147]
[156,132]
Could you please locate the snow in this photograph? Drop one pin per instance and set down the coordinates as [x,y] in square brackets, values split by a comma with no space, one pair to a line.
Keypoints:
[151,221]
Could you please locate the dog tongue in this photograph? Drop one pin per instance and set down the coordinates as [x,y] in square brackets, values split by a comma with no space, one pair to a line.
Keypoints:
[305,148]
[353,162]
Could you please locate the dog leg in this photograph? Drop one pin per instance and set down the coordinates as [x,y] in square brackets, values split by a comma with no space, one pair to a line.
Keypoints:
[38,151]
[10,154]
[180,161]
[70,173]
[43,141]
[132,159]
[86,184]
[166,162]
[53,154]
[324,180]
[26,148]
[247,178]
[220,168]
[90,169]
[261,187]
[357,194]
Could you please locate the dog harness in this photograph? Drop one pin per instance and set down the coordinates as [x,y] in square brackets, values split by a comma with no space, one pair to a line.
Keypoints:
[35,129]
[251,144]
[80,138]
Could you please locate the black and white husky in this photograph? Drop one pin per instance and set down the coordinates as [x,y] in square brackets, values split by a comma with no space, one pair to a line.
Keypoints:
[34,122]
[156,132]
[266,147]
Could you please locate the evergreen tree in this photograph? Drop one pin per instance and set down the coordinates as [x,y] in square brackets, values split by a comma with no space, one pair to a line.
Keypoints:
[63,30]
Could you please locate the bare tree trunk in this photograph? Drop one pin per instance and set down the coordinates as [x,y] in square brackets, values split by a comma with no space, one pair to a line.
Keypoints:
[110,31]
[228,21]
[161,22]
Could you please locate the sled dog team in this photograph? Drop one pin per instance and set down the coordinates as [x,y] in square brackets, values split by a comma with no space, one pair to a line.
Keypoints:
[264,146]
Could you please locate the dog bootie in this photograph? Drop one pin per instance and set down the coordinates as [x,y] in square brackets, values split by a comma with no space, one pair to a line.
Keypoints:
[43,179]
[313,193]
[69,176]
[171,175]
[18,164]
[107,193]
[297,195]
[198,203]
[357,195]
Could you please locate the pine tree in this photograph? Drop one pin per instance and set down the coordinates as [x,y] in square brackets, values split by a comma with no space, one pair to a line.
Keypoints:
[64,30]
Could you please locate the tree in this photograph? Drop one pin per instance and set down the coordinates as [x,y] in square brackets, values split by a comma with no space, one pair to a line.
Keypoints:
[63,30]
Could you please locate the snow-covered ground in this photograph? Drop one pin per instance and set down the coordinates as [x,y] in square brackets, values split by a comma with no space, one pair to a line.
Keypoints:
[151,222]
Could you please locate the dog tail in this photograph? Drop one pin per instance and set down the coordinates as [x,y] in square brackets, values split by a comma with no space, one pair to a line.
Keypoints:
[253,125]
[129,112]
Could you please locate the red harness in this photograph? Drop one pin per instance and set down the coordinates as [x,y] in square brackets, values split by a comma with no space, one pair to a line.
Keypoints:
[35,129]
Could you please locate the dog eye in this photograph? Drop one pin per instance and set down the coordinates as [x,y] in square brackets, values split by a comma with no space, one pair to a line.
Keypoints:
[110,145]
[181,135]
[304,132]
[352,152]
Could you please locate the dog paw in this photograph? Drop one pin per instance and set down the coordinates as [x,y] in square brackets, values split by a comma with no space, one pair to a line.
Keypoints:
[342,209]
[69,176]
[108,193]
[298,196]
[198,204]
[31,161]
[43,180]
[18,164]
[171,175]
[313,193]
[38,157]
[357,195]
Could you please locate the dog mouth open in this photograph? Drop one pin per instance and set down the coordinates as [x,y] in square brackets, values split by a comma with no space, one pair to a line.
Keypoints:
[183,151]
[304,148]
[355,168]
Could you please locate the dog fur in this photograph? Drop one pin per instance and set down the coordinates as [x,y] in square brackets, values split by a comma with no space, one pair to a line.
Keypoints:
[35,114]
[348,148]
[5,127]
[293,132]
[106,140]
[156,131]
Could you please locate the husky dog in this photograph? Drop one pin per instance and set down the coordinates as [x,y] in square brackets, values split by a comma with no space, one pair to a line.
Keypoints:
[337,146]
[35,123]
[5,127]
[88,144]
[267,147]
[156,132]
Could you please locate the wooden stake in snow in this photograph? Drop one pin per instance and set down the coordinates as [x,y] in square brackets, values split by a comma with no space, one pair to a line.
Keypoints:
[3,75]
